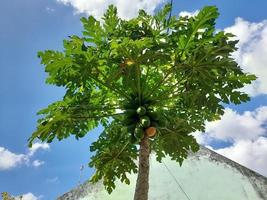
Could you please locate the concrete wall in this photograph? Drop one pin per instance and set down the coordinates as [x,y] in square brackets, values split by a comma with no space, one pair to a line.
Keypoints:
[205,175]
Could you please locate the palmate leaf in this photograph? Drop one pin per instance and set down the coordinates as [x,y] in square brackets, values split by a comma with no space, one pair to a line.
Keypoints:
[76,116]
[111,20]
[93,31]
[174,140]
[178,69]
[204,21]
[114,156]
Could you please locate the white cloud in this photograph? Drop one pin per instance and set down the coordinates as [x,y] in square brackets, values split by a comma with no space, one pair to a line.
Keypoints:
[252,52]
[36,146]
[246,131]
[189,14]
[37,163]
[202,138]
[9,160]
[234,126]
[52,180]
[28,196]
[251,154]
[126,9]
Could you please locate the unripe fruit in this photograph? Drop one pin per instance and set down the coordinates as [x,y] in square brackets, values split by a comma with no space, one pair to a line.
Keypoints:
[139,133]
[141,111]
[145,121]
[154,115]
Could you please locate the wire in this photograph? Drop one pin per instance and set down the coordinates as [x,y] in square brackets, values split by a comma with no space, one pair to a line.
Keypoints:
[179,185]
[121,150]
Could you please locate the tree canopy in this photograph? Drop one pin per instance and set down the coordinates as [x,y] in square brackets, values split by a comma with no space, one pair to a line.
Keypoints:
[172,73]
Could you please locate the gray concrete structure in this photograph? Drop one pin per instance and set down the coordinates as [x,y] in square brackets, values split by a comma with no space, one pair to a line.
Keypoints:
[205,175]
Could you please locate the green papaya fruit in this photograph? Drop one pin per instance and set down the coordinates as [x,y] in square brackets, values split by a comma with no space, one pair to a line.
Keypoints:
[145,121]
[154,124]
[139,133]
[154,115]
[162,122]
[141,111]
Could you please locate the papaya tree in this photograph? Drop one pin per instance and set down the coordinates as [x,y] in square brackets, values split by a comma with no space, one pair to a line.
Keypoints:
[149,81]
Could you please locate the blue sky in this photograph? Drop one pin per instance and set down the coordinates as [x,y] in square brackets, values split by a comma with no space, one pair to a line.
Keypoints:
[33,25]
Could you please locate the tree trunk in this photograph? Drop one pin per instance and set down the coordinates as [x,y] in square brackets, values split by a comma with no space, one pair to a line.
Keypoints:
[142,183]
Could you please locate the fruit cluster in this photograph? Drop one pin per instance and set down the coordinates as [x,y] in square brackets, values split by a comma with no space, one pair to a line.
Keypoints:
[141,121]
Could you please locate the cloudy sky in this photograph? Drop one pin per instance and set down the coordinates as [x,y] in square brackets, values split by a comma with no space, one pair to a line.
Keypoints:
[46,171]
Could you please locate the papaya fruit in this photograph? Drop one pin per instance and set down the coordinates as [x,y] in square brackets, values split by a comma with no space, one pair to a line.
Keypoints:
[145,121]
[162,122]
[151,131]
[141,111]
[139,133]
[154,124]
[154,115]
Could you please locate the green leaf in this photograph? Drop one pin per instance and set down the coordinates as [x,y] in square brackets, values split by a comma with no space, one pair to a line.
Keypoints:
[114,156]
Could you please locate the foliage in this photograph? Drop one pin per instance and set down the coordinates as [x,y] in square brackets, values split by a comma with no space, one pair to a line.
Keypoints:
[115,155]
[6,196]
[178,72]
